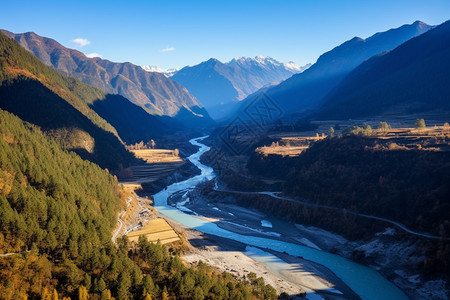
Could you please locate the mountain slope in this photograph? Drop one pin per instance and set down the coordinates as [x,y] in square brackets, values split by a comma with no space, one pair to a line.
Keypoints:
[153,91]
[305,91]
[412,78]
[259,72]
[57,214]
[220,85]
[45,97]
[42,183]
[132,122]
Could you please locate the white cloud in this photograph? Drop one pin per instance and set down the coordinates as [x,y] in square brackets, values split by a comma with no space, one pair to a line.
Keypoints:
[167,49]
[81,42]
[92,55]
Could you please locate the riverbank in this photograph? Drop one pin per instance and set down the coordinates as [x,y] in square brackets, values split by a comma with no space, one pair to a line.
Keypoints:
[293,275]
[228,256]
[296,277]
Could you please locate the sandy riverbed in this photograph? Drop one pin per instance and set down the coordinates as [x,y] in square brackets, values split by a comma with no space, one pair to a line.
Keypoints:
[296,277]
[227,255]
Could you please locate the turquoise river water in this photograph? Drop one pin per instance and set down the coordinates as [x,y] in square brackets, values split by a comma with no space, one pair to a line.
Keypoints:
[365,282]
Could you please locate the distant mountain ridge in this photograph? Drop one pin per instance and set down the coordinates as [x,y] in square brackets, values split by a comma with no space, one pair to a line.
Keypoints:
[412,78]
[150,90]
[220,85]
[305,91]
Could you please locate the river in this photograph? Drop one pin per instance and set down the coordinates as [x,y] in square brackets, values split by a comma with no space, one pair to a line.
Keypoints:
[365,282]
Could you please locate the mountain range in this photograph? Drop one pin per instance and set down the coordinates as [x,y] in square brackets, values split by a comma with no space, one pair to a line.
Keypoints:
[219,86]
[150,90]
[306,91]
[412,78]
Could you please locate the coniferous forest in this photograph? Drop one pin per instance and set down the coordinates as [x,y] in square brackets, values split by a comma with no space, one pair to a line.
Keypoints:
[57,213]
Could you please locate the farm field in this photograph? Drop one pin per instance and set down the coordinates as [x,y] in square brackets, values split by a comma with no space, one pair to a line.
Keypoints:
[434,138]
[157,163]
[154,230]
[157,155]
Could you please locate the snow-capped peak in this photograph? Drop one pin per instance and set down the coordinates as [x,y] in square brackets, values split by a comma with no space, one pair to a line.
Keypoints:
[267,62]
[153,69]
[261,60]
[165,72]
[292,66]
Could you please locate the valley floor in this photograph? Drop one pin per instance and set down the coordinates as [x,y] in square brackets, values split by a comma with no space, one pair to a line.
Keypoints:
[292,275]
[295,276]
[385,252]
[289,274]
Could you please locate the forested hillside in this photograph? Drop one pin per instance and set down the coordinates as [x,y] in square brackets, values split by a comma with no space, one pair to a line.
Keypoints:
[408,186]
[43,96]
[57,212]
[350,172]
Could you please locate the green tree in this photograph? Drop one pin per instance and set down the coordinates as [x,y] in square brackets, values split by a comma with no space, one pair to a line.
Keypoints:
[198,294]
[367,130]
[87,281]
[123,286]
[148,285]
[106,295]
[101,285]
[419,124]
[384,127]
[353,130]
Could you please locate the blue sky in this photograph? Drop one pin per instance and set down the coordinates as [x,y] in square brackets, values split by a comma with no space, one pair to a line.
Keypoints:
[179,33]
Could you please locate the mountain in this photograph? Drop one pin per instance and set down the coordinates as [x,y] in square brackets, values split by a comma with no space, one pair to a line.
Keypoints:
[220,85]
[132,122]
[412,78]
[165,72]
[152,91]
[58,104]
[305,91]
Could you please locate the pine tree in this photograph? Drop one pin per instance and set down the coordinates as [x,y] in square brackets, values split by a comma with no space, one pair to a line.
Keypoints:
[123,286]
[106,295]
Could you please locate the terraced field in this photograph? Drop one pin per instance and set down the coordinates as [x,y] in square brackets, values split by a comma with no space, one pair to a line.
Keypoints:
[157,155]
[154,230]
[158,163]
